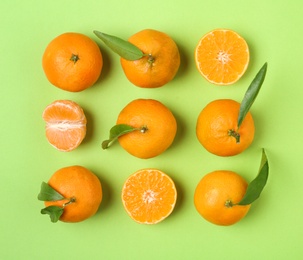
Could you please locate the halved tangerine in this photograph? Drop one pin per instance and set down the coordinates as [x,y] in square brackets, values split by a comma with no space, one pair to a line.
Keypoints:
[149,196]
[222,56]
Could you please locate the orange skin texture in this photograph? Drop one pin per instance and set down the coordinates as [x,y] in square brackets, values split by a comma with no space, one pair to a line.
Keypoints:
[222,56]
[79,183]
[165,64]
[149,196]
[212,192]
[161,128]
[65,124]
[214,123]
[69,75]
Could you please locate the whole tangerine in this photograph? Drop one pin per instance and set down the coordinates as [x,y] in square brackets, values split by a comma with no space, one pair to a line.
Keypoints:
[216,197]
[72,62]
[81,189]
[157,124]
[217,128]
[160,62]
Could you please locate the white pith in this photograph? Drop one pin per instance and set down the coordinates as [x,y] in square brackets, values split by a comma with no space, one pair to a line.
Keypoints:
[223,57]
[149,196]
[64,125]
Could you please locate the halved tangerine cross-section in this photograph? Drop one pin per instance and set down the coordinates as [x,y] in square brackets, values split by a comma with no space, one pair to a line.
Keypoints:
[65,124]
[149,196]
[222,56]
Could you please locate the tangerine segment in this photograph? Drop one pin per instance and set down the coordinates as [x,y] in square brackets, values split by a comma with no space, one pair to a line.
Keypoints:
[222,56]
[216,195]
[72,62]
[216,123]
[149,196]
[65,124]
[160,62]
[160,128]
[80,185]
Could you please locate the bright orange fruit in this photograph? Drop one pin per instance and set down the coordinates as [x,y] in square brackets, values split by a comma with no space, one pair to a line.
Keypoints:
[82,190]
[216,197]
[149,196]
[159,128]
[72,62]
[222,56]
[160,63]
[65,124]
[217,128]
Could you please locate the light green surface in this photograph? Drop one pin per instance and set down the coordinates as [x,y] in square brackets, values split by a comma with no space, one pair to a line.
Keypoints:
[272,229]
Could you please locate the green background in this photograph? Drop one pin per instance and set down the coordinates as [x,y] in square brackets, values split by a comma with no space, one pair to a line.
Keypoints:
[272,229]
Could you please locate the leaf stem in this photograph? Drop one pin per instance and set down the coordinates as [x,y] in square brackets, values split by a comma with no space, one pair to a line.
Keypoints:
[71,200]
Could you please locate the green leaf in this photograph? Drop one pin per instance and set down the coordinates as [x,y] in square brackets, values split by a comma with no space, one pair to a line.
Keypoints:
[251,93]
[116,131]
[255,188]
[54,212]
[47,193]
[124,48]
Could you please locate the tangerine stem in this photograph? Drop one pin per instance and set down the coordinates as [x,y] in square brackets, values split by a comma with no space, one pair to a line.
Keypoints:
[150,59]
[234,134]
[228,204]
[71,200]
[143,129]
[74,58]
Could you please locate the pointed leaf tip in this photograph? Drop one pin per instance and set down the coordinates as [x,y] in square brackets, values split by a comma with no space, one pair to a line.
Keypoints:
[117,131]
[255,188]
[251,93]
[54,212]
[123,48]
[47,193]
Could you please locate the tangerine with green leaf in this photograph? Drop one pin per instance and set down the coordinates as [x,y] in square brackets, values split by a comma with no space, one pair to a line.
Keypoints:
[216,197]
[145,128]
[224,197]
[217,128]
[225,127]
[150,58]
[72,194]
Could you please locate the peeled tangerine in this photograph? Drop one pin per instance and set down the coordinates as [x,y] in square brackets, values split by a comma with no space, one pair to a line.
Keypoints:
[65,125]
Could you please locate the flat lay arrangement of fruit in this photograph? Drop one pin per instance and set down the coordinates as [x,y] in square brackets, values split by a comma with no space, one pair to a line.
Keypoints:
[146,128]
